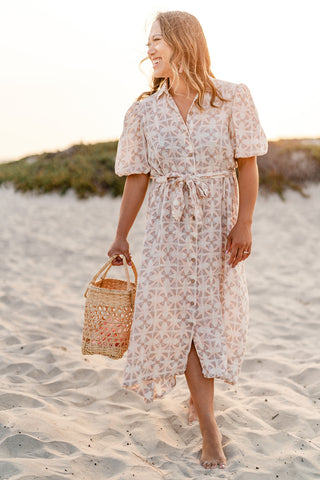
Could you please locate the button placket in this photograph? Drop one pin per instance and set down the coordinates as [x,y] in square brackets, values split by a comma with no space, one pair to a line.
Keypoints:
[193,264]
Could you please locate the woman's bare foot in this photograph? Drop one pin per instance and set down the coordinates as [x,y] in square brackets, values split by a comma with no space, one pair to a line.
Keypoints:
[212,452]
[193,415]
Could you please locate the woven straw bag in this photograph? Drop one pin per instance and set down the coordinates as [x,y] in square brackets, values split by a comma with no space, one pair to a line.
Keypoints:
[108,312]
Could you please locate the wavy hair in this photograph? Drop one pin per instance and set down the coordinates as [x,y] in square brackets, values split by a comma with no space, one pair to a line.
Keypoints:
[183,33]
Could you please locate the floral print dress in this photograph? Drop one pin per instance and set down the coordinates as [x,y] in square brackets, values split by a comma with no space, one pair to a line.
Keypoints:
[186,289]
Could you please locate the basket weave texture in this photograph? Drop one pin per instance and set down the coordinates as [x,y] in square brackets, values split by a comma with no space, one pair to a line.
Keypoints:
[108,312]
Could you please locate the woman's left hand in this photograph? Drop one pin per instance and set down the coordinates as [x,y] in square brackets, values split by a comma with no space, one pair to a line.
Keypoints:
[239,243]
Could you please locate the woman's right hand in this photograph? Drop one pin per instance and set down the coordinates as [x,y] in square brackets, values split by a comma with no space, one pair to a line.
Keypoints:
[120,246]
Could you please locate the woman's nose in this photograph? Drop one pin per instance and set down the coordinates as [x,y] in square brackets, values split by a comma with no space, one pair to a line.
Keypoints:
[150,50]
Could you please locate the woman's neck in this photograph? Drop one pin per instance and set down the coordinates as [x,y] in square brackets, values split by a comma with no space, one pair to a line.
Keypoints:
[180,88]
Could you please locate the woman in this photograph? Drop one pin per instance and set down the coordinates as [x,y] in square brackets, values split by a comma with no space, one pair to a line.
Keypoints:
[187,135]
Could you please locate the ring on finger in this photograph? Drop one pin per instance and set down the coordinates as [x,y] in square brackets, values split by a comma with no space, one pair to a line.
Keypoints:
[246,252]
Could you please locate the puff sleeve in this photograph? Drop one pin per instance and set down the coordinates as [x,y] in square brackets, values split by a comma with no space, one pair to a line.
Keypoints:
[247,136]
[132,152]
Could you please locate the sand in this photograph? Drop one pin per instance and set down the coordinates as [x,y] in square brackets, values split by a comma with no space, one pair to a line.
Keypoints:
[65,416]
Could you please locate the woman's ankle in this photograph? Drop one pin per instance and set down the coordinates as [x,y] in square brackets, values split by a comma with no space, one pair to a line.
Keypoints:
[208,425]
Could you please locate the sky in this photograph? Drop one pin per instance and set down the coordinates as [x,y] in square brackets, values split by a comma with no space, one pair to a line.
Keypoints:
[70,68]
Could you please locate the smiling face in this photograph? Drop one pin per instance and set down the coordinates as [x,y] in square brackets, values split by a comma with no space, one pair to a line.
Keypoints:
[159,52]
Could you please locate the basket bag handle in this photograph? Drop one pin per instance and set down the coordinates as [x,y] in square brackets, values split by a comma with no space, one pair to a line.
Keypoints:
[106,267]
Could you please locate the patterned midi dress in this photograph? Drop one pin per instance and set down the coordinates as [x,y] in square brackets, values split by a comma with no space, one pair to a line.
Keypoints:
[186,289]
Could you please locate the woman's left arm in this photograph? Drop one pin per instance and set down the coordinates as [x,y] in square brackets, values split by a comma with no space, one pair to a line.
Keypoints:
[240,238]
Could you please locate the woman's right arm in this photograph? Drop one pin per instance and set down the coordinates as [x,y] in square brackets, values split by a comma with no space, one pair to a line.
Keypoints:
[133,195]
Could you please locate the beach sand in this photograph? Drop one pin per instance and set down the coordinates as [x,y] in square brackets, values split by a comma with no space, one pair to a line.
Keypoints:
[64,415]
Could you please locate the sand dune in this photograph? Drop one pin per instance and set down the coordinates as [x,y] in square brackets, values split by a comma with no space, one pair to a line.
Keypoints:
[65,416]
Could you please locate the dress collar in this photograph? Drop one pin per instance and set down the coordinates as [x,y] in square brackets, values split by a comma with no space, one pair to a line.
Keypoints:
[163,89]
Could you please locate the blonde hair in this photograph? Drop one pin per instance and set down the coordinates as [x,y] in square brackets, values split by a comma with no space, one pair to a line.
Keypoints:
[183,33]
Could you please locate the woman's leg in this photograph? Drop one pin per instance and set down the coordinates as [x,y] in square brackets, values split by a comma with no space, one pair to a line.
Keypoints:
[193,414]
[201,391]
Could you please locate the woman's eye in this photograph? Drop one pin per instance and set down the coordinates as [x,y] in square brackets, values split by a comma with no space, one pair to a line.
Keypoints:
[155,40]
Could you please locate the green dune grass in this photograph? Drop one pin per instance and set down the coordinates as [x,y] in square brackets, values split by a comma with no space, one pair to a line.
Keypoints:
[290,164]
[88,169]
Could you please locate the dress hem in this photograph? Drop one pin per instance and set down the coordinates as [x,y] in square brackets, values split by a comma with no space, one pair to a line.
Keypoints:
[170,382]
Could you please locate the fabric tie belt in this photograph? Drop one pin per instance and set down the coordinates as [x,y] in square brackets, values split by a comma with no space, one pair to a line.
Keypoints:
[197,189]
